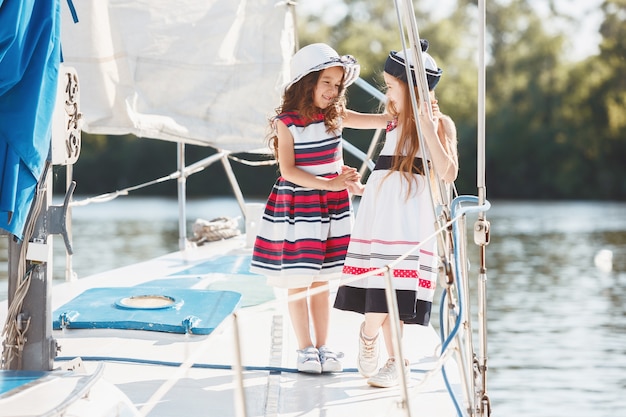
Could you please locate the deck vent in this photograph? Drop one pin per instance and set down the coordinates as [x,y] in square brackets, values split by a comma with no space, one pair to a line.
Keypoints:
[147,302]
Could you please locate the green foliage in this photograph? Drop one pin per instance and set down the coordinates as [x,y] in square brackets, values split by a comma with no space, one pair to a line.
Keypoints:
[112,163]
[554,128]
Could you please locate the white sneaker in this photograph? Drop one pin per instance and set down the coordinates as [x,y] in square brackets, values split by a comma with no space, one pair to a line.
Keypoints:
[330,360]
[367,362]
[388,375]
[309,361]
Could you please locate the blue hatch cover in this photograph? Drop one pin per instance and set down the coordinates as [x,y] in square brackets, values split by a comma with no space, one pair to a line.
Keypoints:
[10,380]
[162,309]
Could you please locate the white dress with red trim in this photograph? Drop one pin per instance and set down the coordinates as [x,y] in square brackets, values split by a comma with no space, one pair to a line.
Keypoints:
[305,231]
[388,225]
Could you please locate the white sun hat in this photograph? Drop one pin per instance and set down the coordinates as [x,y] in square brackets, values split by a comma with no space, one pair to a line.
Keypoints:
[319,56]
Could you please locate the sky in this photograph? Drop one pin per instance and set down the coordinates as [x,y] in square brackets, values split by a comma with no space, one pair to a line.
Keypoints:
[584,34]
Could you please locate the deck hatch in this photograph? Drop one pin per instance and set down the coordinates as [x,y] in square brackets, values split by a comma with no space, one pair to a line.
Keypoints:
[163,309]
[147,302]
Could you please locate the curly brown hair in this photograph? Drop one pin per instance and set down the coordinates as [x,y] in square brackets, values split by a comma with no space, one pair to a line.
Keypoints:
[299,98]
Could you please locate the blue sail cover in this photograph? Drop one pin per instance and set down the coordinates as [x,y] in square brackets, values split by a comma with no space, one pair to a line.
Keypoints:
[29,65]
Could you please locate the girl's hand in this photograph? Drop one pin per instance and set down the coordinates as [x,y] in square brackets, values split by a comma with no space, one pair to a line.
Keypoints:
[355,187]
[346,168]
[425,119]
[435,107]
[340,182]
[441,142]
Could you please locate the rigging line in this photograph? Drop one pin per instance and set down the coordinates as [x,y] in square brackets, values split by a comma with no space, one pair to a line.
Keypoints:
[81,390]
[464,342]
[414,104]
[422,83]
[414,37]
[480,168]
[439,364]
[460,296]
[189,170]
[449,388]
[13,343]
[25,274]
[481,234]
[168,383]
[199,365]
[445,353]
[379,271]
[248,162]
[444,347]
[367,161]
[458,213]
[425,97]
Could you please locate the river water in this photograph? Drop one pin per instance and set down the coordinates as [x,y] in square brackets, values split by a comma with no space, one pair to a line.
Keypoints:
[556,315]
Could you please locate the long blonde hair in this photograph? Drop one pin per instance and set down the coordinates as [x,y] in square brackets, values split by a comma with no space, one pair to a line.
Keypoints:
[408,146]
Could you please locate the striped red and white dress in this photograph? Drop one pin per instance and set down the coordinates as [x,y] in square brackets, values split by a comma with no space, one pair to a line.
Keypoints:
[387,226]
[304,233]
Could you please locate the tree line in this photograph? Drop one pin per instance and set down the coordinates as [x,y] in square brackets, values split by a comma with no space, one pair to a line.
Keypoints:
[554,126]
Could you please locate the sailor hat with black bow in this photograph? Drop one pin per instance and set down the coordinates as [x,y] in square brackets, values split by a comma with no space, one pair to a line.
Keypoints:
[395,65]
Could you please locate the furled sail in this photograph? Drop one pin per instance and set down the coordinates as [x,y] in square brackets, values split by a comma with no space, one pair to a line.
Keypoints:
[201,72]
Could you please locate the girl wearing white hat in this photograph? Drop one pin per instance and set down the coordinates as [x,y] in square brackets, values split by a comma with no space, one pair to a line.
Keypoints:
[304,233]
[395,215]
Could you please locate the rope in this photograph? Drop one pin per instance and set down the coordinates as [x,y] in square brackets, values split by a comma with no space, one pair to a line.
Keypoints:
[217,229]
[14,333]
[14,330]
[189,170]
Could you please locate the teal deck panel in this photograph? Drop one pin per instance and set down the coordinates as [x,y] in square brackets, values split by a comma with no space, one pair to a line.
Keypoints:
[10,380]
[191,311]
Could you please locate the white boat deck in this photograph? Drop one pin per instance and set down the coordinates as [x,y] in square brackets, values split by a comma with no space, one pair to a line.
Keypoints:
[166,375]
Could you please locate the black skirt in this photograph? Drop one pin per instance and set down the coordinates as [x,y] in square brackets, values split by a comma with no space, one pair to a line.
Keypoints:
[373,300]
